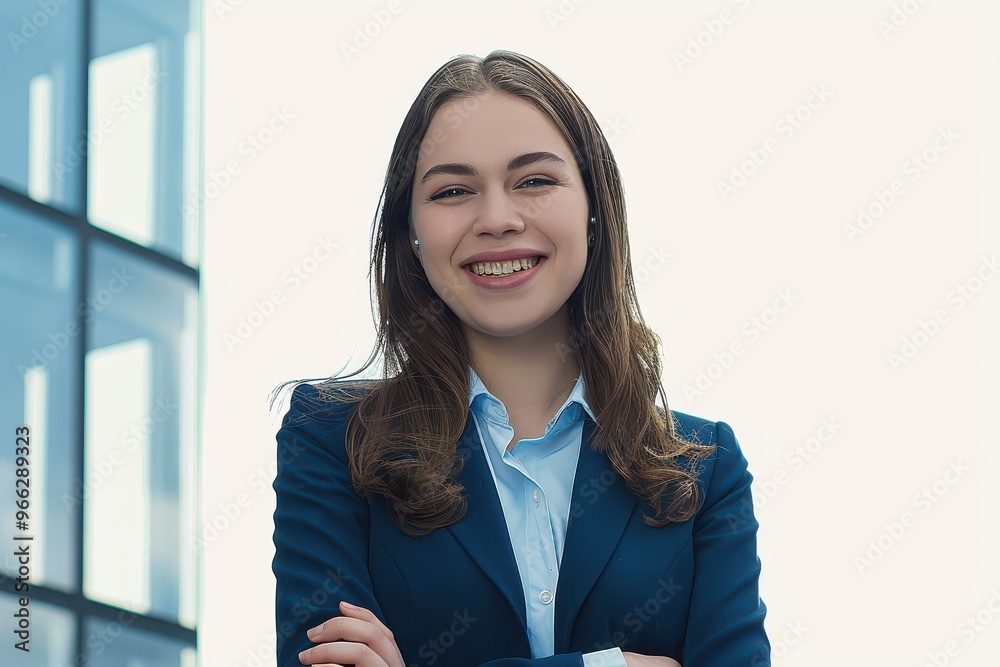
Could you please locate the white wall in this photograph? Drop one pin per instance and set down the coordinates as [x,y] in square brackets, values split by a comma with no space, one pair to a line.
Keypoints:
[677,132]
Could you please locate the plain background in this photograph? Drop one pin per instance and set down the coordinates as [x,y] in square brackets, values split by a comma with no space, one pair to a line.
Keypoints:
[325,124]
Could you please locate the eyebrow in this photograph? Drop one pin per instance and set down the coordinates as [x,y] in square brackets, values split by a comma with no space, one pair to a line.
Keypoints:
[516,163]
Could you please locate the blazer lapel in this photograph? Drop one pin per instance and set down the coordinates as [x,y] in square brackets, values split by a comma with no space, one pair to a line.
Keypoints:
[599,513]
[482,532]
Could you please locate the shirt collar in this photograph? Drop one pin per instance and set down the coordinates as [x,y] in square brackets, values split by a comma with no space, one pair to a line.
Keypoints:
[578,395]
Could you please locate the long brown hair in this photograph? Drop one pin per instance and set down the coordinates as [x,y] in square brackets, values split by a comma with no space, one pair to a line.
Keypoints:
[401,440]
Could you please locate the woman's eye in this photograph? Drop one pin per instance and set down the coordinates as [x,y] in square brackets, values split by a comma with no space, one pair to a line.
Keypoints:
[538,181]
[444,194]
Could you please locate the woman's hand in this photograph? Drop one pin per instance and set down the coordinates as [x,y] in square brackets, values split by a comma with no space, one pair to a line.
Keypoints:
[357,638]
[638,660]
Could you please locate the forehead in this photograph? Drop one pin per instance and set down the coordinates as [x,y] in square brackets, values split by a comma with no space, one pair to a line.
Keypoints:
[488,128]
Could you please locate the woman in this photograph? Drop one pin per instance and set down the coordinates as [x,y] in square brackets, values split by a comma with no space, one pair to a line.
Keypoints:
[509,494]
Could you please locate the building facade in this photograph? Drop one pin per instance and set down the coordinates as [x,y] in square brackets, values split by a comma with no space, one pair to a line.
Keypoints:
[99,345]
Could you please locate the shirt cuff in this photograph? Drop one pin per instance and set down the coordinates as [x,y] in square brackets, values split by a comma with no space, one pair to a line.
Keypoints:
[611,657]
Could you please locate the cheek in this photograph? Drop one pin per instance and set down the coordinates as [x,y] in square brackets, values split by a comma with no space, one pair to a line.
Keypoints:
[439,241]
[574,234]
[438,267]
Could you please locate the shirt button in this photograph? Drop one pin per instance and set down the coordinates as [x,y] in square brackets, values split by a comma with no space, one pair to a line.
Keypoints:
[537,496]
[545,596]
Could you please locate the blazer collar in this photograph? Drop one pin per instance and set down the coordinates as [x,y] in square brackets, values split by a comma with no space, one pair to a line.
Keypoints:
[596,523]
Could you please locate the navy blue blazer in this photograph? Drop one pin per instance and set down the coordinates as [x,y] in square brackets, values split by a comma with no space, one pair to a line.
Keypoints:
[453,598]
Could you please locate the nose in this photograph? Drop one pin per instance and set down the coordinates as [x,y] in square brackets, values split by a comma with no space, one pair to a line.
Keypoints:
[498,214]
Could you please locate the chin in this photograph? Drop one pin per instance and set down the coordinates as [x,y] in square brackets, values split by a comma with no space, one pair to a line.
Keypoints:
[495,324]
[505,329]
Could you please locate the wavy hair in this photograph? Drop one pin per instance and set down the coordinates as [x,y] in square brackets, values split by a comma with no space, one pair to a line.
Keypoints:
[401,441]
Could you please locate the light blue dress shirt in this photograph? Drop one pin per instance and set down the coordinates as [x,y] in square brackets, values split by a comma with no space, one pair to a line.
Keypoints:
[535,484]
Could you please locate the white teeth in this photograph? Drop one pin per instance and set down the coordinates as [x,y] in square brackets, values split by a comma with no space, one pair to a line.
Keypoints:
[506,267]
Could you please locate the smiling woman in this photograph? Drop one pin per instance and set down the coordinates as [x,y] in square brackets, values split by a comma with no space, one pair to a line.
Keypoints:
[509,493]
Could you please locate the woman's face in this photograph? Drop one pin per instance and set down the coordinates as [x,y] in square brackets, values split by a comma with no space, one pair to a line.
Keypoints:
[494,174]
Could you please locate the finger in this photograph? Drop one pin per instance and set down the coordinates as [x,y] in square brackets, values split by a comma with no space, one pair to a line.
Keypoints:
[365,614]
[341,653]
[347,628]
[320,632]
[344,629]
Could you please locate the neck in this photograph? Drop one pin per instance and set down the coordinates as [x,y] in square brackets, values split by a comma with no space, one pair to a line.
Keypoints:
[532,373]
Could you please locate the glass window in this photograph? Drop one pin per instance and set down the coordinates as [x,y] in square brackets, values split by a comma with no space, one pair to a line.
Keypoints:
[50,632]
[38,346]
[139,550]
[44,143]
[143,181]
[118,642]
[107,329]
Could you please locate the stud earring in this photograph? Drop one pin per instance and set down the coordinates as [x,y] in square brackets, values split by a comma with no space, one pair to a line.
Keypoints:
[590,237]
[416,243]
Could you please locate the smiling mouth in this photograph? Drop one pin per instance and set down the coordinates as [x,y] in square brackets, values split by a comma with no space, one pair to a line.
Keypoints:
[504,268]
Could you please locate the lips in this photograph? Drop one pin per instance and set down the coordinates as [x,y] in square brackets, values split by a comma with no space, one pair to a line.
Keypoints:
[508,281]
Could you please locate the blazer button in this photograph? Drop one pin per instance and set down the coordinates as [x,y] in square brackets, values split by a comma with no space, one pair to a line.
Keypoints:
[545,596]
